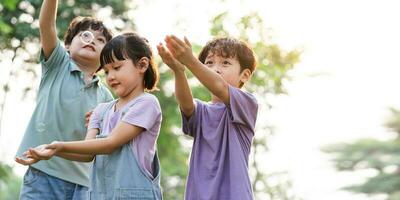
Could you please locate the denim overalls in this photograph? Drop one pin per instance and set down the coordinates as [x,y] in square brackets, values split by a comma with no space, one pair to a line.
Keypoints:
[119,176]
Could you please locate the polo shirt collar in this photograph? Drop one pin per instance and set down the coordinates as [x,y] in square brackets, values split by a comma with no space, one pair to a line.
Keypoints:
[75,68]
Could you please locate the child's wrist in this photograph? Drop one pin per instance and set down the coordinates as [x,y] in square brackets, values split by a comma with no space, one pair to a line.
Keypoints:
[190,61]
[57,146]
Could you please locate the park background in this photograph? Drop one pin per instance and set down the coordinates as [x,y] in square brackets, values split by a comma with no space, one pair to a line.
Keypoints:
[327,83]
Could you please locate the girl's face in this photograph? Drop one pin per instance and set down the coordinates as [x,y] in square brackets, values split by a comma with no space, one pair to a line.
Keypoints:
[124,77]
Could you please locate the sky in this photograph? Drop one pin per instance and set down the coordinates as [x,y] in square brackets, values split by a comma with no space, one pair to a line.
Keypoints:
[340,92]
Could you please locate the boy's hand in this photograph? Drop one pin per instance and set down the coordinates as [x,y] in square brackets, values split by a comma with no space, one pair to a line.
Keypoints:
[87,118]
[181,50]
[168,59]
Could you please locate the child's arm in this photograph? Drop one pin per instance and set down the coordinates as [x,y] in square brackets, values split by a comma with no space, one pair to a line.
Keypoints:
[120,135]
[182,51]
[183,93]
[41,152]
[91,134]
[47,26]
[76,157]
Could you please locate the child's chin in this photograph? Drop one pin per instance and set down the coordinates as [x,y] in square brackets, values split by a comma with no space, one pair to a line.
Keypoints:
[118,93]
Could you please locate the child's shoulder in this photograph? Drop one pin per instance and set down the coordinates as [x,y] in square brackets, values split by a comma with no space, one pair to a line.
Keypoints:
[245,95]
[104,106]
[148,97]
[145,100]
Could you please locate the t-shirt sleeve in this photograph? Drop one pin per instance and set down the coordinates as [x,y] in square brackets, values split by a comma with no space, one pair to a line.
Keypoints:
[144,113]
[55,60]
[243,107]
[189,123]
[97,115]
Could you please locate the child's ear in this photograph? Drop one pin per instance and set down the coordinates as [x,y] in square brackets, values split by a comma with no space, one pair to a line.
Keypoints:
[144,64]
[245,75]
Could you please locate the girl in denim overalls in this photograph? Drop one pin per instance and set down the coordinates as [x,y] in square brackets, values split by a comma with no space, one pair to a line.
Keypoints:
[122,134]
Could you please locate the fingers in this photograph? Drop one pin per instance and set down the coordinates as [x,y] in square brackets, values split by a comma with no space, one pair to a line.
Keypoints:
[187,42]
[178,41]
[26,154]
[35,154]
[171,45]
[162,51]
[88,114]
[171,42]
[87,118]
[28,161]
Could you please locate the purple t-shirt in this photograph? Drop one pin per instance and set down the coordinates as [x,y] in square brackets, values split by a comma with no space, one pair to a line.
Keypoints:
[143,111]
[222,140]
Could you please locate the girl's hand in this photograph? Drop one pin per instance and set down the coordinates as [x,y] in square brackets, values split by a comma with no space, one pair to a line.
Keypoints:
[34,155]
[26,161]
[181,50]
[168,59]
[42,152]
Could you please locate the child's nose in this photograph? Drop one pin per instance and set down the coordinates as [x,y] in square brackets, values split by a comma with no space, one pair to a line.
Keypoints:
[216,69]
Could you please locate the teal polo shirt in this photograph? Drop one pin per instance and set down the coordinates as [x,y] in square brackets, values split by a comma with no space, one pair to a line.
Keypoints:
[62,101]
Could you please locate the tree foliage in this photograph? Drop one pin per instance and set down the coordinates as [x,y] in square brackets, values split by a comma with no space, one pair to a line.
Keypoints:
[381,158]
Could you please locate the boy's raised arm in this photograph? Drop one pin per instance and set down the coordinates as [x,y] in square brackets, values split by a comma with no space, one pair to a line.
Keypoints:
[182,51]
[183,93]
[47,26]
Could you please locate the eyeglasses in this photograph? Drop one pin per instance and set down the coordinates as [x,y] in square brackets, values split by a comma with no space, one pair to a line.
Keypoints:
[87,37]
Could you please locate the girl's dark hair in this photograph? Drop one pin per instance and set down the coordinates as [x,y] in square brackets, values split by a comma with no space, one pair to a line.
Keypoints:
[230,48]
[131,46]
[79,24]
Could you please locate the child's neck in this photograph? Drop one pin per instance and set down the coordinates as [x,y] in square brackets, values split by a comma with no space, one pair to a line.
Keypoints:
[88,71]
[126,99]
[86,66]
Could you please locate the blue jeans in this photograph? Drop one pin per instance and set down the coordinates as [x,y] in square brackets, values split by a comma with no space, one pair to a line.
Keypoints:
[39,185]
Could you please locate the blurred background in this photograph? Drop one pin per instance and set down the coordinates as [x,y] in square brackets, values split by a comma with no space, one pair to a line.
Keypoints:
[327,83]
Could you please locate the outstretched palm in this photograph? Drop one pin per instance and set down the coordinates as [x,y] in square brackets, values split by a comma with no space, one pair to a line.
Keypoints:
[36,154]
[168,59]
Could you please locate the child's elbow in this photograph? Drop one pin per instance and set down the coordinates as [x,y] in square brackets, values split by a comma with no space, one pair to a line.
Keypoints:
[187,111]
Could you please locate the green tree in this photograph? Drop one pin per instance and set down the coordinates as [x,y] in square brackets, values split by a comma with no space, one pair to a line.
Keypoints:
[380,157]
[9,183]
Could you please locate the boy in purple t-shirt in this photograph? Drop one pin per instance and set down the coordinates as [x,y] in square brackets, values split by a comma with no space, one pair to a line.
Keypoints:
[223,129]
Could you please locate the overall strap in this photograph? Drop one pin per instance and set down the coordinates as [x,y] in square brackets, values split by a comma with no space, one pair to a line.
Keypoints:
[108,107]
[103,112]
